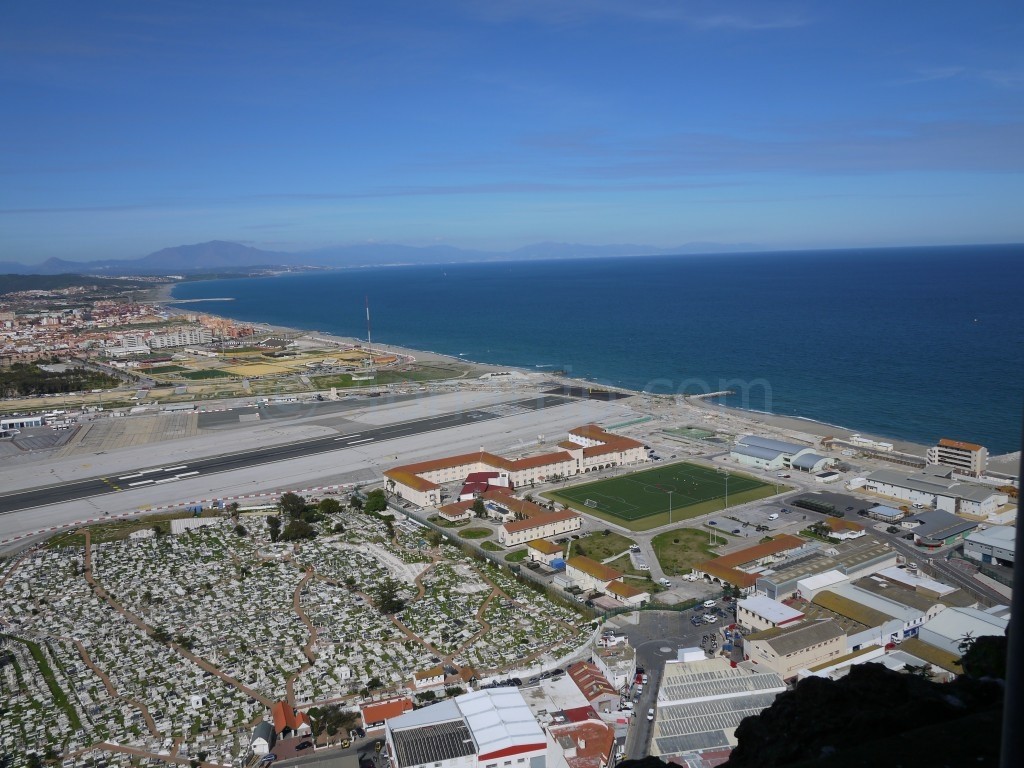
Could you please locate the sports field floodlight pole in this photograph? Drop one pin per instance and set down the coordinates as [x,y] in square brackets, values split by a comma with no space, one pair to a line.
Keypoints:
[670,507]
[726,473]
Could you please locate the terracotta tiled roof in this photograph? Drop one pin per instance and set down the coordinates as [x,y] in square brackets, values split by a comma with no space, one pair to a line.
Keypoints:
[592,740]
[385,710]
[287,718]
[593,568]
[590,681]
[456,509]
[544,546]
[538,520]
[410,479]
[621,589]
[594,432]
[780,543]
[946,443]
[428,673]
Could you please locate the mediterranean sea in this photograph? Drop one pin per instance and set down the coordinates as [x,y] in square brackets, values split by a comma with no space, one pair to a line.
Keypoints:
[910,343]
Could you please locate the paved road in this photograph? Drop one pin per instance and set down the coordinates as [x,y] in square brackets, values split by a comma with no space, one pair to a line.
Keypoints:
[138,478]
[657,639]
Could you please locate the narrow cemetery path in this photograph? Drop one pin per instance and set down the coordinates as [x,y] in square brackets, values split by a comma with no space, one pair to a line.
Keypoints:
[148,630]
[150,722]
[421,590]
[485,627]
[307,649]
[15,566]
[496,591]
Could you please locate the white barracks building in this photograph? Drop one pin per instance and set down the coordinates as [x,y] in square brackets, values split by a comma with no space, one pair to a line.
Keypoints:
[589,448]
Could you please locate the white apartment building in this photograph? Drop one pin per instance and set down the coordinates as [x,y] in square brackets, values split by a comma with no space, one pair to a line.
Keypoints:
[181,337]
[968,458]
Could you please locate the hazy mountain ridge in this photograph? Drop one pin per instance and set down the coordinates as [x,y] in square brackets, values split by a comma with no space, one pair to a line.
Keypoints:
[218,255]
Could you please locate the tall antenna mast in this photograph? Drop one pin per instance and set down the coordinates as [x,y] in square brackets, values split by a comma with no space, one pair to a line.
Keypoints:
[369,340]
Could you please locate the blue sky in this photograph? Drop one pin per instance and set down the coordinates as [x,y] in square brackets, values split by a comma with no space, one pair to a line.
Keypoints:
[131,126]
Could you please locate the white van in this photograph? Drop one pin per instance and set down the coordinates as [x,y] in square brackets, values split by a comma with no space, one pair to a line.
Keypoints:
[710,603]
[773,516]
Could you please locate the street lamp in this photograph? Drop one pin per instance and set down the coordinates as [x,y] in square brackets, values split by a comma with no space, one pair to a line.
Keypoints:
[726,473]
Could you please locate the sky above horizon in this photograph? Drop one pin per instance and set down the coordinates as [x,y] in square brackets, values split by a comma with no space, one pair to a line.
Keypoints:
[129,127]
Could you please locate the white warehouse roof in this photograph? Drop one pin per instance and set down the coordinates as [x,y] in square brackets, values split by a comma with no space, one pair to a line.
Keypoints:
[1001,536]
[779,446]
[822,580]
[770,610]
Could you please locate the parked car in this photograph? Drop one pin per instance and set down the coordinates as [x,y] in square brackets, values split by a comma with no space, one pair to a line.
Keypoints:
[650,713]
[665,582]
[710,603]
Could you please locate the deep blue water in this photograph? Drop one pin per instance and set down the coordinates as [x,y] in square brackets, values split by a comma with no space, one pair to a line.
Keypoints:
[915,343]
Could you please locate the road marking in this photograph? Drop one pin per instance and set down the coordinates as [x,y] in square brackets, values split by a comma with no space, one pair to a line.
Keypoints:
[172,469]
[129,477]
[346,437]
[164,480]
[188,474]
[150,471]
[364,440]
[140,482]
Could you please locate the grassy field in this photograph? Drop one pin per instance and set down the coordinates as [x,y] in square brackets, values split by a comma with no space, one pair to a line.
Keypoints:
[476,533]
[405,375]
[120,529]
[518,556]
[640,500]
[600,546]
[208,373]
[678,551]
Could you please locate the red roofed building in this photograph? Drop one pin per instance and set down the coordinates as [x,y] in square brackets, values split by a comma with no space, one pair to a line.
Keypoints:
[540,526]
[588,448]
[968,458]
[376,714]
[588,743]
[595,686]
[730,569]
[288,721]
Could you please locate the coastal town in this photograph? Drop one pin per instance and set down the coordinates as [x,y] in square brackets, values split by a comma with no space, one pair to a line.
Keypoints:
[416,560]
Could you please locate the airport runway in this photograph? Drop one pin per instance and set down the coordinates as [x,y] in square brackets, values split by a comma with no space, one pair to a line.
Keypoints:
[133,479]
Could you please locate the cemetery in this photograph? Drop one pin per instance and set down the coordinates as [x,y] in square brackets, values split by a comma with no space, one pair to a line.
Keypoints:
[176,644]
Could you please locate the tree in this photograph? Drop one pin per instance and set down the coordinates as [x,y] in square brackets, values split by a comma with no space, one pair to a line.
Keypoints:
[298,529]
[292,505]
[339,527]
[376,501]
[274,524]
[355,502]
[434,538]
[240,530]
[385,595]
[478,508]
[329,506]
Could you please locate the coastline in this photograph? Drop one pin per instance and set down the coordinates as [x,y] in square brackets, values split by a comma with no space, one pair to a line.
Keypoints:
[727,418]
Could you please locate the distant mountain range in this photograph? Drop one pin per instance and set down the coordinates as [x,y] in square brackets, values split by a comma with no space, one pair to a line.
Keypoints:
[221,256]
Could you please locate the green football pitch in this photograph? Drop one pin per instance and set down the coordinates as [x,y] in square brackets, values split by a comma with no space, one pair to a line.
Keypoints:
[644,496]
